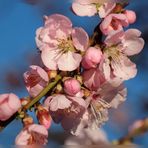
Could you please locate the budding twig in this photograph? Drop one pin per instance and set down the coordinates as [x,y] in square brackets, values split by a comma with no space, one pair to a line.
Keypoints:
[139,129]
[32,102]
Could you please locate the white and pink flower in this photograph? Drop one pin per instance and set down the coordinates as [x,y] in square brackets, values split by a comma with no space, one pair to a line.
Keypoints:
[60,44]
[32,135]
[9,105]
[92,7]
[66,110]
[113,22]
[110,95]
[120,45]
[36,80]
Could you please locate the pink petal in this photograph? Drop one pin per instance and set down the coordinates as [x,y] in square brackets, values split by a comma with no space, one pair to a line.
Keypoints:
[92,79]
[42,73]
[113,94]
[132,42]
[114,38]
[14,102]
[85,2]
[38,129]
[124,68]
[80,39]
[37,38]
[59,19]
[78,100]
[22,138]
[69,61]
[59,102]
[106,69]
[105,9]
[34,91]
[84,10]
[49,57]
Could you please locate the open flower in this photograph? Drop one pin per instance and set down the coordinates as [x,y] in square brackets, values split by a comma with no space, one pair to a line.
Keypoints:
[35,79]
[109,95]
[9,104]
[114,22]
[60,44]
[66,109]
[92,7]
[120,45]
[32,135]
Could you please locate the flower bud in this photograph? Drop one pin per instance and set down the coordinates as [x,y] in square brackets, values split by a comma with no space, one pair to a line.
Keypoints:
[131,16]
[52,74]
[24,101]
[43,116]
[72,86]
[27,121]
[9,105]
[91,58]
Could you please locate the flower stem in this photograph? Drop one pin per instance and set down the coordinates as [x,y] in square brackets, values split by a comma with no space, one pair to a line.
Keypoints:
[33,101]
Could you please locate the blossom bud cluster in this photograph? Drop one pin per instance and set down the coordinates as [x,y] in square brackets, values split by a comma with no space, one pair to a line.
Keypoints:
[92,69]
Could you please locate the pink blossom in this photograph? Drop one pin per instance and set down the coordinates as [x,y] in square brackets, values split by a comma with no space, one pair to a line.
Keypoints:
[92,7]
[110,95]
[93,78]
[92,58]
[33,134]
[59,43]
[72,86]
[9,104]
[131,16]
[65,109]
[127,44]
[36,80]
[113,22]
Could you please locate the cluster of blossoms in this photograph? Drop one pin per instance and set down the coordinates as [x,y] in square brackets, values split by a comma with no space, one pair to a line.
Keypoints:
[91,71]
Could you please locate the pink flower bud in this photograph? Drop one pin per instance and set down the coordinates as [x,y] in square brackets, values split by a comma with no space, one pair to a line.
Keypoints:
[72,86]
[9,104]
[92,58]
[131,16]
[44,117]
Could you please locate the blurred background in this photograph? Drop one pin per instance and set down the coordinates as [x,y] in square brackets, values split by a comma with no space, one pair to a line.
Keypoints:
[19,20]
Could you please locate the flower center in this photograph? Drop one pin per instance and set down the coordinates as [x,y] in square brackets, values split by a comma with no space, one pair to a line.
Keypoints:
[66,45]
[113,53]
[98,5]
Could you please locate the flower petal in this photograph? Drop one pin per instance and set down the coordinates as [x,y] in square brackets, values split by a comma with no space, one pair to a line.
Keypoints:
[80,38]
[69,61]
[132,42]
[84,10]
[58,102]
[49,57]
[124,68]
[105,9]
